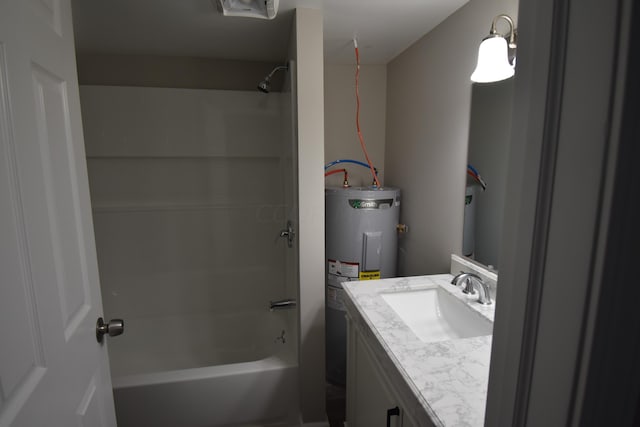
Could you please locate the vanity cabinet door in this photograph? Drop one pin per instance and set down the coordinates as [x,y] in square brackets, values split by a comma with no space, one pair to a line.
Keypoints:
[369,398]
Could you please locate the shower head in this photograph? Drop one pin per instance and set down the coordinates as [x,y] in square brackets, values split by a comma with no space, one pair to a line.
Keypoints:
[265,85]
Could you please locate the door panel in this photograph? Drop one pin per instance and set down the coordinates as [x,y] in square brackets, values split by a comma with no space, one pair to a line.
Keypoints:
[22,356]
[56,148]
[52,370]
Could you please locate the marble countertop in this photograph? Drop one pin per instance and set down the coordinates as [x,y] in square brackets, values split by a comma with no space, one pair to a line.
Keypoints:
[449,378]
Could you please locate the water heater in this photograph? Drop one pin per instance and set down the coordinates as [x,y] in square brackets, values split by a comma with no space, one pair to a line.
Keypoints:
[361,244]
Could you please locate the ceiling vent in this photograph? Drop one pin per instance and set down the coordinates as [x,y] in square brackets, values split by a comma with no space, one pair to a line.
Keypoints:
[262,9]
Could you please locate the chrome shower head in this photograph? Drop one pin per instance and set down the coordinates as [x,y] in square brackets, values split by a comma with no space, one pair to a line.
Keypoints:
[265,85]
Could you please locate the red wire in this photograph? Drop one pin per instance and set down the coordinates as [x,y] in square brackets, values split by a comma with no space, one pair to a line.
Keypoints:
[364,149]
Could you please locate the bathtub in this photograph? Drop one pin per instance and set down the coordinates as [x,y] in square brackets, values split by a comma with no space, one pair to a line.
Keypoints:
[206,371]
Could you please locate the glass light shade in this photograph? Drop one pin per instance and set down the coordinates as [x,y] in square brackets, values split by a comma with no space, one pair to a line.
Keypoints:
[493,61]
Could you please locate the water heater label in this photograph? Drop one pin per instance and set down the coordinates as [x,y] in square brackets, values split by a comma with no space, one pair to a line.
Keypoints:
[369,275]
[370,203]
[344,269]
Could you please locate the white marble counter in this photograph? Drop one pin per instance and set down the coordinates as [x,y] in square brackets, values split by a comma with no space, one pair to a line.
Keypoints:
[449,378]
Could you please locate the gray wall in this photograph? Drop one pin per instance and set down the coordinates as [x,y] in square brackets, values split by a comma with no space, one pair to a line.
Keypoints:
[428,104]
[341,137]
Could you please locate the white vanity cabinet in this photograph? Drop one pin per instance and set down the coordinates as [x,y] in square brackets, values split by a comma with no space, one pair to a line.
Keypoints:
[436,375]
[374,388]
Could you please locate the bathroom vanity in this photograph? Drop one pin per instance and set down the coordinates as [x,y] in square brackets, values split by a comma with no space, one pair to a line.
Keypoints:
[418,351]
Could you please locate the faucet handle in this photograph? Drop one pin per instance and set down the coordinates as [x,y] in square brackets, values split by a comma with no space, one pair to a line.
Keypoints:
[468,286]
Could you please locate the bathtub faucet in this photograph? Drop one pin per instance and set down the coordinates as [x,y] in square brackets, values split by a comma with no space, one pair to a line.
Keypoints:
[281,339]
[282,304]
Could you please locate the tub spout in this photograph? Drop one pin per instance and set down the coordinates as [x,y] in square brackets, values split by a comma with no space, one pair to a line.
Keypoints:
[282,304]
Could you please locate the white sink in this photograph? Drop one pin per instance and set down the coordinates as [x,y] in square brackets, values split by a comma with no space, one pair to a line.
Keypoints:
[435,315]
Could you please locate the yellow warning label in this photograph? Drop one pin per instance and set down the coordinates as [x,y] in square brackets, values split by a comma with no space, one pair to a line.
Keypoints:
[369,275]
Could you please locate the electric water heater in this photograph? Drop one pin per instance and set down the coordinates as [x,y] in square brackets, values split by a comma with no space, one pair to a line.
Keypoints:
[361,244]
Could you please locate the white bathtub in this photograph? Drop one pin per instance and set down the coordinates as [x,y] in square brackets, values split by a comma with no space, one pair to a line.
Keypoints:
[206,371]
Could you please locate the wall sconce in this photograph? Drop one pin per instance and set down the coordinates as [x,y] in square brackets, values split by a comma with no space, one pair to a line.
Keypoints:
[496,55]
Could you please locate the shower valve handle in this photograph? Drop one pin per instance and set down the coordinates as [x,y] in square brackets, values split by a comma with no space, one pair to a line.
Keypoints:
[289,233]
[113,328]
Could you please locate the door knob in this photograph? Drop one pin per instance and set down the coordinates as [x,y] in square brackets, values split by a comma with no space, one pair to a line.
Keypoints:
[113,328]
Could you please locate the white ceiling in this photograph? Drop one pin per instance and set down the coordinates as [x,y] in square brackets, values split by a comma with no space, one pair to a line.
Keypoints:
[384,28]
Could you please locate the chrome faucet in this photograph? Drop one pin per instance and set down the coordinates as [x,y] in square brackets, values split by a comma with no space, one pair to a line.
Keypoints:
[472,282]
[463,277]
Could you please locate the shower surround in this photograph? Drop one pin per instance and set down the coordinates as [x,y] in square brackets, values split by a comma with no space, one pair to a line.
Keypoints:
[190,189]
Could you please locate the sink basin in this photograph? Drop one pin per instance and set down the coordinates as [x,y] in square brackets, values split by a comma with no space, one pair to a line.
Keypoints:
[435,315]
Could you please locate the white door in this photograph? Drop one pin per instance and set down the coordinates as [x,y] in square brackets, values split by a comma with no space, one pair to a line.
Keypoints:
[52,370]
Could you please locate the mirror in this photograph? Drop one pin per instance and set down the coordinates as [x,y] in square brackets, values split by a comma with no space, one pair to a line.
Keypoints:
[489,135]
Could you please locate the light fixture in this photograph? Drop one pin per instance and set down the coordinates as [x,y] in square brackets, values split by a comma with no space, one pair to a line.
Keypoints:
[263,9]
[496,55]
